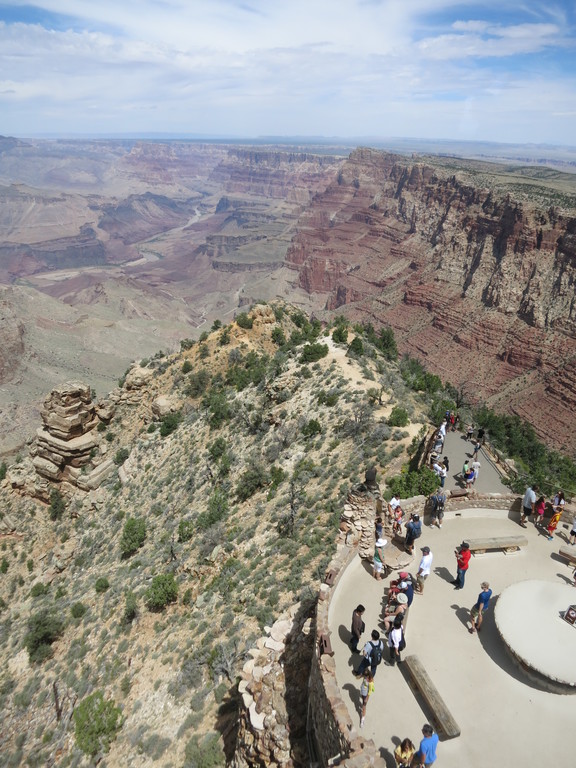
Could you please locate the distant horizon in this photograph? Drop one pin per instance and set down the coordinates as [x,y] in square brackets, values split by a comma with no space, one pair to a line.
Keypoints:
[485,71]
[277,139]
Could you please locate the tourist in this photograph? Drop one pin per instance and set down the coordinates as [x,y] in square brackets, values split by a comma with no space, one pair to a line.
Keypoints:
[559,500]
[463,555]
[528,504]
[413,532]
[371,654]
[401,608]
[452,421]
[366,689]
[554,520]
[357,628]
[469,477]
[392,505]
[404,753]
[539,510]
[378,528]
[438,502]
[478,610]
[476,450]
[396,643]
[572,539]
[476,467]
[446,463]
[440,470]
[465,468]
[423,569]
[470,431]
[397,522]
[379,563]
[442,428]
[426,754]
[407,586]
[481,436]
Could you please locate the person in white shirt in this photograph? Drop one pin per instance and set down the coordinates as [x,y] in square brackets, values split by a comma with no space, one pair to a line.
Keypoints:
[423,569]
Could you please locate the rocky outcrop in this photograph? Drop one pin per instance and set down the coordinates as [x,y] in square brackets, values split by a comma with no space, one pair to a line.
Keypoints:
[476,282]
[68,442]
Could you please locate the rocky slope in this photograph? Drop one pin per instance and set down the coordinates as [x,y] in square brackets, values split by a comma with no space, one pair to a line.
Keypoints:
[231,463]
[473,266]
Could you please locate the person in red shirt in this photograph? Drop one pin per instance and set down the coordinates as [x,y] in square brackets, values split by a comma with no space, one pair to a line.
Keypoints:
[462,560]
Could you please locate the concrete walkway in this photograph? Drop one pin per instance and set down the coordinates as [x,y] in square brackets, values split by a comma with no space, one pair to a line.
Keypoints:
[504,719]
[457,448]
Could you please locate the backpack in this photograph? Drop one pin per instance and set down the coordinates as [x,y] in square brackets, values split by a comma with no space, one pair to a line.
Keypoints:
[376,653]
[402,643]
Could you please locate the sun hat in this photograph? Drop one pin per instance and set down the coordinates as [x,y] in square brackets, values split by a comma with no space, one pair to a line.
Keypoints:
[402,598]
[381,543]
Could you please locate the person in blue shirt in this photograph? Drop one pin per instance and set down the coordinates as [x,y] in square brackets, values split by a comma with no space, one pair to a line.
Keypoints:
[426,754]
[478,610]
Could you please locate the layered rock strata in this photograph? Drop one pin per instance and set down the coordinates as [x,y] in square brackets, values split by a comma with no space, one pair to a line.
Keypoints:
[68,441]
[474,269]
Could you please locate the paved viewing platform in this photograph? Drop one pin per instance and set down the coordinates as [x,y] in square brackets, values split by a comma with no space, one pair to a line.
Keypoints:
[506,717]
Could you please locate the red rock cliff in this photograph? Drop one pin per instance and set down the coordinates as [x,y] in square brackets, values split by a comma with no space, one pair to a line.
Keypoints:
[476,281]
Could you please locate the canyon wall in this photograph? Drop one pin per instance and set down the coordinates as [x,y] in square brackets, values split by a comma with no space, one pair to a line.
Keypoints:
[473,269]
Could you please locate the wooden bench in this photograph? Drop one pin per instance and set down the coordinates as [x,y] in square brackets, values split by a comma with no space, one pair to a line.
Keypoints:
[569,553]
[325,645]
[438,712]
[506,543]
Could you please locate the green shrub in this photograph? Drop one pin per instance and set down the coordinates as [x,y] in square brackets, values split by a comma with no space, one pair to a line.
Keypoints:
[356,347]
[251,481]
[97,721]
[313,352]
[3,470]
[197,383]
[170,423]
[130,608]
[410,483]
[186,530]
[133,536]
[4,565]
[398,417]
[224,338]
[204,752]
[340,334]
[217,510]
[186,344]
[39,589]
[78,610]
[243,321]
[102,584]
[186,366]
[278,337]
[44,628]
[121,456]
[162,591]
[217,448]
[57,504]
[311,428]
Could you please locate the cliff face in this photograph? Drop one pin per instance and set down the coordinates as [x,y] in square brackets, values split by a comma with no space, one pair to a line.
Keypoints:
[476,281]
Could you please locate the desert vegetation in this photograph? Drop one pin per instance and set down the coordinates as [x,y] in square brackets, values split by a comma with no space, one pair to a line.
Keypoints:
[144,598]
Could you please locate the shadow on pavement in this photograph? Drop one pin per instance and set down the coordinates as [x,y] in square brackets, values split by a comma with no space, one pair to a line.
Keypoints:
[492,644]
[463,614]
[444,573]
[388,756]
[354,693]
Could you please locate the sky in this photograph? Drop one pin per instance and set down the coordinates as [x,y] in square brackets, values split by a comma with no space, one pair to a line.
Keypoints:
[434,69]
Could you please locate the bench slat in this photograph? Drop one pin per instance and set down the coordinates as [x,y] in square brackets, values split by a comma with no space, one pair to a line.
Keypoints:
[568,552]
[497,542]
[439,712]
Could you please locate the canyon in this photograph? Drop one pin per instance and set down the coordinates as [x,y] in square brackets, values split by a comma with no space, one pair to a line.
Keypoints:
[111,250]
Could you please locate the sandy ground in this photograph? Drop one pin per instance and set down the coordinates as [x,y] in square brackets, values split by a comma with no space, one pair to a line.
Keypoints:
[503,718]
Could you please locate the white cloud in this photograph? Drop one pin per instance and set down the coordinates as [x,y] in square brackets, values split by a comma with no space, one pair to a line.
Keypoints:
[350,67]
